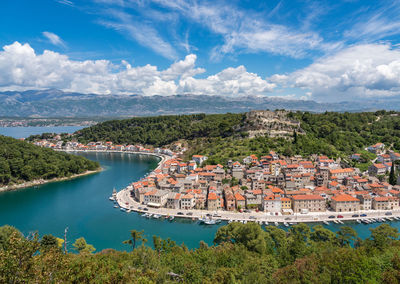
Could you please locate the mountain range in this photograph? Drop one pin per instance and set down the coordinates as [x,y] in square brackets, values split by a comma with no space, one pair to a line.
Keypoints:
[56,103]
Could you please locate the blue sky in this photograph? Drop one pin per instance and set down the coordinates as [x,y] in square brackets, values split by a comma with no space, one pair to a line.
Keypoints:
[321,50]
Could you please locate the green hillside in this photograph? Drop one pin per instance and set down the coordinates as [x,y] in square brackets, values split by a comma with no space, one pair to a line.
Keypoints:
[225,136]
[21,161]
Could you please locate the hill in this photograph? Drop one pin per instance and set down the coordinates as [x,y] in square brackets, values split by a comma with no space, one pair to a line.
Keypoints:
[234,136]
[22,162]
[46,103]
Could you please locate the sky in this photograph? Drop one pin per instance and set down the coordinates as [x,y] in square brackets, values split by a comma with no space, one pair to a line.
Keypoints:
[327,51]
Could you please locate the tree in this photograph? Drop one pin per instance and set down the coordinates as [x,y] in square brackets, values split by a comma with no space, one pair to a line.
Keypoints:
[6,232]
[49,242]
[392,175]
[320,234]
[346,235]
[136,237]
[294,137]
[383,236]
[82,246]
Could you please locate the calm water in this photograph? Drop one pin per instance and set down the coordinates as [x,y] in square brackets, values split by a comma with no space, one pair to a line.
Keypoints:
[23,132]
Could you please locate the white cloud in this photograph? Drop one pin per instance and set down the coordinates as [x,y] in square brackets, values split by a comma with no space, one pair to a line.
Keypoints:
[54,39]
[360,71]
[22,68]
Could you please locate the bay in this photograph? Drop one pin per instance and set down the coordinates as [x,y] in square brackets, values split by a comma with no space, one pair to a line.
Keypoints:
[24,132]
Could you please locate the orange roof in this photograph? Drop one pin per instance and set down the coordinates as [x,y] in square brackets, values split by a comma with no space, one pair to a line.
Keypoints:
[380,166]
[239,197]
[212,196]
[308,197]
[342,171]
[188,196]
[177,196]
[381,198]
[285,199]
[344,197]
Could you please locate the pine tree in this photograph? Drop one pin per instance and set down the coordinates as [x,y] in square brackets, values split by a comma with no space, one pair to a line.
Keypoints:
[392,175]
[294,137]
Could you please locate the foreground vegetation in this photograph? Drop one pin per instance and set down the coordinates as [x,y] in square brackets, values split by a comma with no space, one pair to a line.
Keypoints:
[21,162]
[244,253]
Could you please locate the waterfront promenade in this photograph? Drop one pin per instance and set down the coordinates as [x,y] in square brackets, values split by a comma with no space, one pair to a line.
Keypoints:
[126,201]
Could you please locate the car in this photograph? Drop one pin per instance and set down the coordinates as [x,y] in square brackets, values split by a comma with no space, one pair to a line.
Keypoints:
[355,215]
[252,217]
[189,213]
[140,208]
[247,211]
[179,213]
[388,213]
[340,216]
[288,218]
[208,215]
[146,209]
[363,215]
[331,217]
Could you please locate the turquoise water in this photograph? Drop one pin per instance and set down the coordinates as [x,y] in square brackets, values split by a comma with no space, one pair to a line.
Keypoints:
[82,205]
[24,132]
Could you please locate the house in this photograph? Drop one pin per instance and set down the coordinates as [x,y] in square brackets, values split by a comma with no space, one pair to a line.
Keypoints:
[199,159]
[365,201]
[272,204]
[173,200]
[356,157]
[157,198]
[188,201]
[240,201]
[213,201]
[341,173]
[377,148]
[380,203]
[384,158]
[344,203]
[312,203]
[377,169]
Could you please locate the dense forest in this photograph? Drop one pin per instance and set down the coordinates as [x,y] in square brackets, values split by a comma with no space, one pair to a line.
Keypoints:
[243,253]
[162,130]
[21,161]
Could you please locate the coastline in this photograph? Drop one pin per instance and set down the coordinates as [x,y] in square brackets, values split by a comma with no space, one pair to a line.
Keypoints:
[43,181]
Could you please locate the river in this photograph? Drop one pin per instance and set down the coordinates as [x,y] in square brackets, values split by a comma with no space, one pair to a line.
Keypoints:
[82,205]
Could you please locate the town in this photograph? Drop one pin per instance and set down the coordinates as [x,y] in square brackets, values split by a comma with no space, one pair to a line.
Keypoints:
[271,183]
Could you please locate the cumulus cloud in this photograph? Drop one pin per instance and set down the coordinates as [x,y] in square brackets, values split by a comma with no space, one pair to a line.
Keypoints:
[22,68]
[356,72]
[54,39]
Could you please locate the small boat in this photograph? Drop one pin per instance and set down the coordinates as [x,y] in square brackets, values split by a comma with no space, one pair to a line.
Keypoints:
[156,216]
[340,222]
[276,224]
[245,222]
[325,222]
[365,221]
[397,218]
[171,218]
[149,215]
[128,210]
[285,224]
[230,221]
[122,209]
[358,221]
[292,223]
[266,223]
[111,198]
[210,222]
[336,221]
[116,206]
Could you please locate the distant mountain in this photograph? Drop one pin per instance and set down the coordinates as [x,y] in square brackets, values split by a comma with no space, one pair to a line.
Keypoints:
[56,103]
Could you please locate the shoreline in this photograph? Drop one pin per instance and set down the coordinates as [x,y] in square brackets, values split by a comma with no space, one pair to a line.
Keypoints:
[43,181]
[126,202]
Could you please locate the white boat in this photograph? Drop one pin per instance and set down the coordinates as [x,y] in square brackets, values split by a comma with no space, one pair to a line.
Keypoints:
[336,221]
[285,224]
[156,216]
[266,223]
[230,221]
[325,222]
[149,215]
[365,221]
[245,222]
[128,210]
[116,206]
[210,222]
[171,218]
[358,221]
[276,224]
[292,223]
[340,222]
[122,209]
[111,198]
